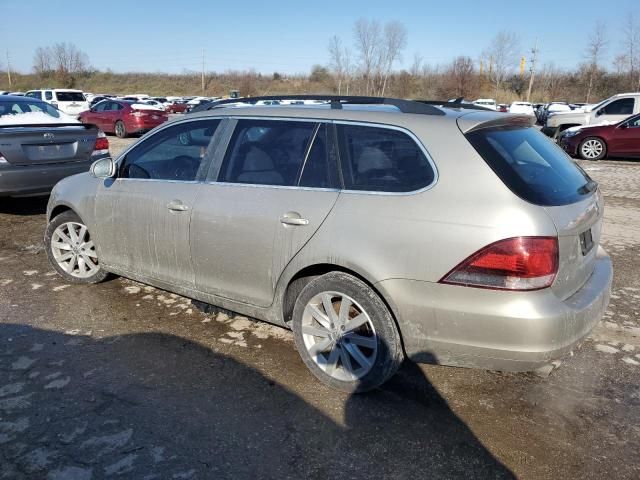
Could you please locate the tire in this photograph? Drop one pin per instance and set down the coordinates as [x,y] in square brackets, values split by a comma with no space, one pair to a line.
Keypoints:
[83,266]
[120,129]
[327,344]
[592,148]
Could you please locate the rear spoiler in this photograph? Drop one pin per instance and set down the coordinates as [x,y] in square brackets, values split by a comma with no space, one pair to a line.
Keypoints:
[481,120]
[87,126]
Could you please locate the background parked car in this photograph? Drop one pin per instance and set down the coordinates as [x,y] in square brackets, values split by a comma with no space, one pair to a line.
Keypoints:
[177,107]
[38,154]
[522,107]
[598,141]
[487,103]
[71,102]
[124,117]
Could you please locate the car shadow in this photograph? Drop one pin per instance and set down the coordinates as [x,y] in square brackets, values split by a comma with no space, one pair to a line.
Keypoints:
[153,405]
[25,206]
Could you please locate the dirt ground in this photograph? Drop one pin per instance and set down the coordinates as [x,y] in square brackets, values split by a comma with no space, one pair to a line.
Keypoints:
[120,380]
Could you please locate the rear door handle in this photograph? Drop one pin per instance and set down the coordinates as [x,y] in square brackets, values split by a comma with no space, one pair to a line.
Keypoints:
[177,206]
[293,218]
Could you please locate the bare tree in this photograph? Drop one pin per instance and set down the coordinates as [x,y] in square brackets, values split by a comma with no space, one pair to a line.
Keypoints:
[42,61]
[395,40]
[502,54]
[461,76]
[64,59]
[632,49]
[367,38]
[595,49]
[340,63]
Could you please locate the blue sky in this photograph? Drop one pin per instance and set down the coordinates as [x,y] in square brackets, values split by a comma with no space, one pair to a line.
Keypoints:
[290,36]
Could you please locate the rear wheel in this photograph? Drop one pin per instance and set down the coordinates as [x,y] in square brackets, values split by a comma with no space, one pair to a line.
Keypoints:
[345,333]
[592,148]
[71,250]
[120,129]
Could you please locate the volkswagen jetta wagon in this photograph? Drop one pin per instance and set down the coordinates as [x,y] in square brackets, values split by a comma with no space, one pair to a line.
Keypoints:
[376,229]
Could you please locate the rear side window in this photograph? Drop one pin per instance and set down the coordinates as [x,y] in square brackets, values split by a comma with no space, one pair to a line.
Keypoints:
[273,152]
[382,160]
[70,97]
[624,106]
[531,165]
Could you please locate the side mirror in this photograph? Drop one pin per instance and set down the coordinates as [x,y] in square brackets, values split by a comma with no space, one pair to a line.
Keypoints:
[103,168]
[599,112]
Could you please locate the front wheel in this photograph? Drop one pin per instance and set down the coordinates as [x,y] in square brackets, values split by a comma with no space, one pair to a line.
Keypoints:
[345,333]
[592,148]
[71,250]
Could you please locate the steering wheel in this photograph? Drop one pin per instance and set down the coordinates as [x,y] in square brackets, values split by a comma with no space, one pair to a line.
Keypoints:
[185,168]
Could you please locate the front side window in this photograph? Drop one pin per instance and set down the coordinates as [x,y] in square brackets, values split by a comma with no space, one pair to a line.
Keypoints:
[174,153]
[382,160]
[271,152]
[624,106]
[101,106]
[634,122]
[37,95]
[48,95]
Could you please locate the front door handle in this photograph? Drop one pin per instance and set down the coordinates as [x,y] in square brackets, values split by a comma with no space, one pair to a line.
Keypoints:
[293,218]
[177,206]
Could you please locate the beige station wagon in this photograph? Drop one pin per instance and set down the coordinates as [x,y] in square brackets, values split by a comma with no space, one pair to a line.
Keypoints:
[376,229]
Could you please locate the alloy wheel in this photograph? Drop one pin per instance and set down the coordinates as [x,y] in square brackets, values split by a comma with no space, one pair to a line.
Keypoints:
[74,251]
[592,148]
[339,336]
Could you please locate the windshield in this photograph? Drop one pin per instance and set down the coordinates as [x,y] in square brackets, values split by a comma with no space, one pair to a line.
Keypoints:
[531,165]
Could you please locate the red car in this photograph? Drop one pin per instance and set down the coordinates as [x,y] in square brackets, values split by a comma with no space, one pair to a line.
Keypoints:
[177,107]
[598,141]
[123,117]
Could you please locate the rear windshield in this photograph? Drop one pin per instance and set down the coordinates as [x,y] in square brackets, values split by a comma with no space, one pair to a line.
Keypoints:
[24,106]
[531,165]
[70,97]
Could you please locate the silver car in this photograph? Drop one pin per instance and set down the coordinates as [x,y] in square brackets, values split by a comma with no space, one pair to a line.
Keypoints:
[376,229]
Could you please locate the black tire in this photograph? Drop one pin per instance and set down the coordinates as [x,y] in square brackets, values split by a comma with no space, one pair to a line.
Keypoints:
[388,355]
[64,218]
[120,129]
[593,141]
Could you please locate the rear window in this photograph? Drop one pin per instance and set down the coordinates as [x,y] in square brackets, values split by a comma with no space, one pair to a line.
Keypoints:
[531,165]
[16,108]
[70,97]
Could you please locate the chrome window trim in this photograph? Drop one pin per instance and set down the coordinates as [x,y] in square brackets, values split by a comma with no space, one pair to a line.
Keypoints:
[156,180]
[279,187]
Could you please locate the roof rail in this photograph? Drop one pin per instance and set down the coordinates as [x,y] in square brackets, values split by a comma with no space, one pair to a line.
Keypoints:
[336,101]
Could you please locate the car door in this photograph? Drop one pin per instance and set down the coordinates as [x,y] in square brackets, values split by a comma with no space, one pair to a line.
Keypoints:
[96,115]
[276,184]
[145,211]
[626,138]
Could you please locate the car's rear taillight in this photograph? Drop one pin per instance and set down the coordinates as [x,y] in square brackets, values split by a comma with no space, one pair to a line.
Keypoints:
[102,144]
[519,263]
[137,113]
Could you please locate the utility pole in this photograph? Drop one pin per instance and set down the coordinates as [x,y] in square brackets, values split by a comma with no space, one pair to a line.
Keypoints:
[203,70]
[534,55]
[8,68]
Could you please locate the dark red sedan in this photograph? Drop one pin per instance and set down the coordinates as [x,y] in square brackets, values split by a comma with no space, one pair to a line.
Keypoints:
[178,107]
[123,117]
[598,141]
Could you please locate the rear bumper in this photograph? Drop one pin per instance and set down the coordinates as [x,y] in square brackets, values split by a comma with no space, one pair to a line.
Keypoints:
[143,124]
[38,179]
[496,330]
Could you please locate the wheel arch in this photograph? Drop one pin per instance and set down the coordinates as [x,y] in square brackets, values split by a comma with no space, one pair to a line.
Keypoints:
[292,285]
[591,137]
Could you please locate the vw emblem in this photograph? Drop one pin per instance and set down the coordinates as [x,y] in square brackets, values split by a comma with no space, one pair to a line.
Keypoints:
[49,136]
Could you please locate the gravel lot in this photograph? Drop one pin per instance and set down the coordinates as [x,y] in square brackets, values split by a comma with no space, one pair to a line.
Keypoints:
[120,380]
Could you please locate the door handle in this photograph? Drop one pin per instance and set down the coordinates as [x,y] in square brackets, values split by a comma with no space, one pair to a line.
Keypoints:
[177,206]
[293,218]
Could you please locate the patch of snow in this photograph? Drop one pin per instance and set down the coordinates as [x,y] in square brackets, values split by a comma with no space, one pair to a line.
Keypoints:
[35,118]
